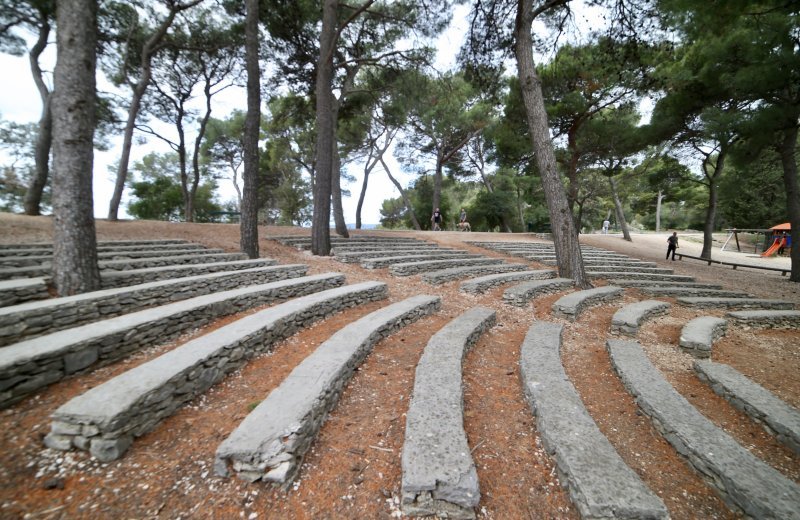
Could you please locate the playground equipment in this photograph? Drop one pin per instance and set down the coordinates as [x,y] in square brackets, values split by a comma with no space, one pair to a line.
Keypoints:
[781,239]
[772,238]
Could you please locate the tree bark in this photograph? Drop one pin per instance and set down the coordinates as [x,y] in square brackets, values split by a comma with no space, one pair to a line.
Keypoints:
[658,211]
[248,225]
[201,132]
[403,194]
[75,268]
[336,190]
[789,162]
[565,237]
[33,196]
[623,223]
[711,210]
[320,222]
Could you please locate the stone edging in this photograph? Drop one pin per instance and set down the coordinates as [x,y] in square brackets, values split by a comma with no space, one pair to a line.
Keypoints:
[745,482]
[439,476]
[270,443]
[107,418]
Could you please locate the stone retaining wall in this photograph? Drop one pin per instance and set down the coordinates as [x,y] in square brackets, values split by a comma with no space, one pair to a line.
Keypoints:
[699,334]
[485,283]
[629,318]
[111,279]
[13,292]
[413,268]
[573,304]
[456,273]
[785,319]
[106,419]
[519,295]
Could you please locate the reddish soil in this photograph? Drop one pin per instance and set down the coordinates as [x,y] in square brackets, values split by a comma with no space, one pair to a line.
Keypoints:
[353,469]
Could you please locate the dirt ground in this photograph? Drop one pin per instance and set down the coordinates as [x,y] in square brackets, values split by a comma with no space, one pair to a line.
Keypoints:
[353,469]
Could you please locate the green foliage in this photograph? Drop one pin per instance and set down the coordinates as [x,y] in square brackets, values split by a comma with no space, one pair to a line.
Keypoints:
[17,146]
[393,213]
[753,196]
[490,209]
[421,194]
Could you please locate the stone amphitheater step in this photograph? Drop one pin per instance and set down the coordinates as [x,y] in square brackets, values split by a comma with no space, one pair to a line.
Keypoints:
[439,476]
[519,295]
[693,291]
[640,276]
[733,303]
[13,292]
[572,305]
[24,261]
[600,484]
[111,279]
[365,248]
[412,268]
[699,334]
[779,418]
[591,262]
[623,269]
[32,364]
[771,319]
[629,318]
[124,265]
[100,244]
[272,440]
[635,284]
[358,256]
[305,243]
[745,482]
[386,261]
[106,419]
[485,283]
[33,319]
[470,271]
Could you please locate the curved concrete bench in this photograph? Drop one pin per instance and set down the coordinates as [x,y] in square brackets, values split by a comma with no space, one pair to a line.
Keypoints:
[13,292]
[600,484]
[412,268]
[485,283]
[689,292]
[33,319]
[386,261]
[137,253]
[101,244]
[111,279]
[32,364]
[779,418]
[439,476]
[780,319]
[571,305]
[470,271]
[521,294]
[107,418]
[699,334]
[628,319]
[272,440]
[640,276]
[635,284]
[358,256]
[745,482]
[733,303]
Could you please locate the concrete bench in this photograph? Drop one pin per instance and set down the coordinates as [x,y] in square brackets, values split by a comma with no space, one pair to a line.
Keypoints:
[32,364]
[33,319]
[636,284]
[46,260]
[573,304]
[13,292]
[470,271]
[272,440]
[699,334]
[485,283]
[701,302]
[629,318]
[412,268]
[106,419]
[769,319]
[101,244]
[358,256]
[745,482]
[779,418]
[689,292]
[110,279]
[521,294]
[386,261]
[653,277]
[439,476]
[600,484]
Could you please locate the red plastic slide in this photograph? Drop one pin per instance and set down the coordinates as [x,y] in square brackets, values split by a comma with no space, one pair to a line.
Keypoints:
[773,248]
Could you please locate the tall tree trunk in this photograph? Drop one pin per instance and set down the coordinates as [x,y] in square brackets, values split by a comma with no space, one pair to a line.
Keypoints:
[623,223]
[565,238]
[148,49]
[367,170]
[248,225]
[437,185]
[75,268]
[711,211]
[201,132]
[321,220]
[406,200]
[658,210]
[33,195]
[336,190]
[789,163]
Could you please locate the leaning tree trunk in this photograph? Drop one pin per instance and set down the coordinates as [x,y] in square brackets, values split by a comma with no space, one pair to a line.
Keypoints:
[320,222]
[336,192]
[658,211]
[403,194]
[248,225]
[363,194]
[437,185]
[201,132]
[565,238]
[75,268]
[789,163]
[33,196]
[711,211]
[626,234]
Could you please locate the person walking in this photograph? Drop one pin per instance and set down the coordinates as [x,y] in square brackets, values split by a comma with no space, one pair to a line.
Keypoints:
[606,223]
[436,218]
[672,245]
